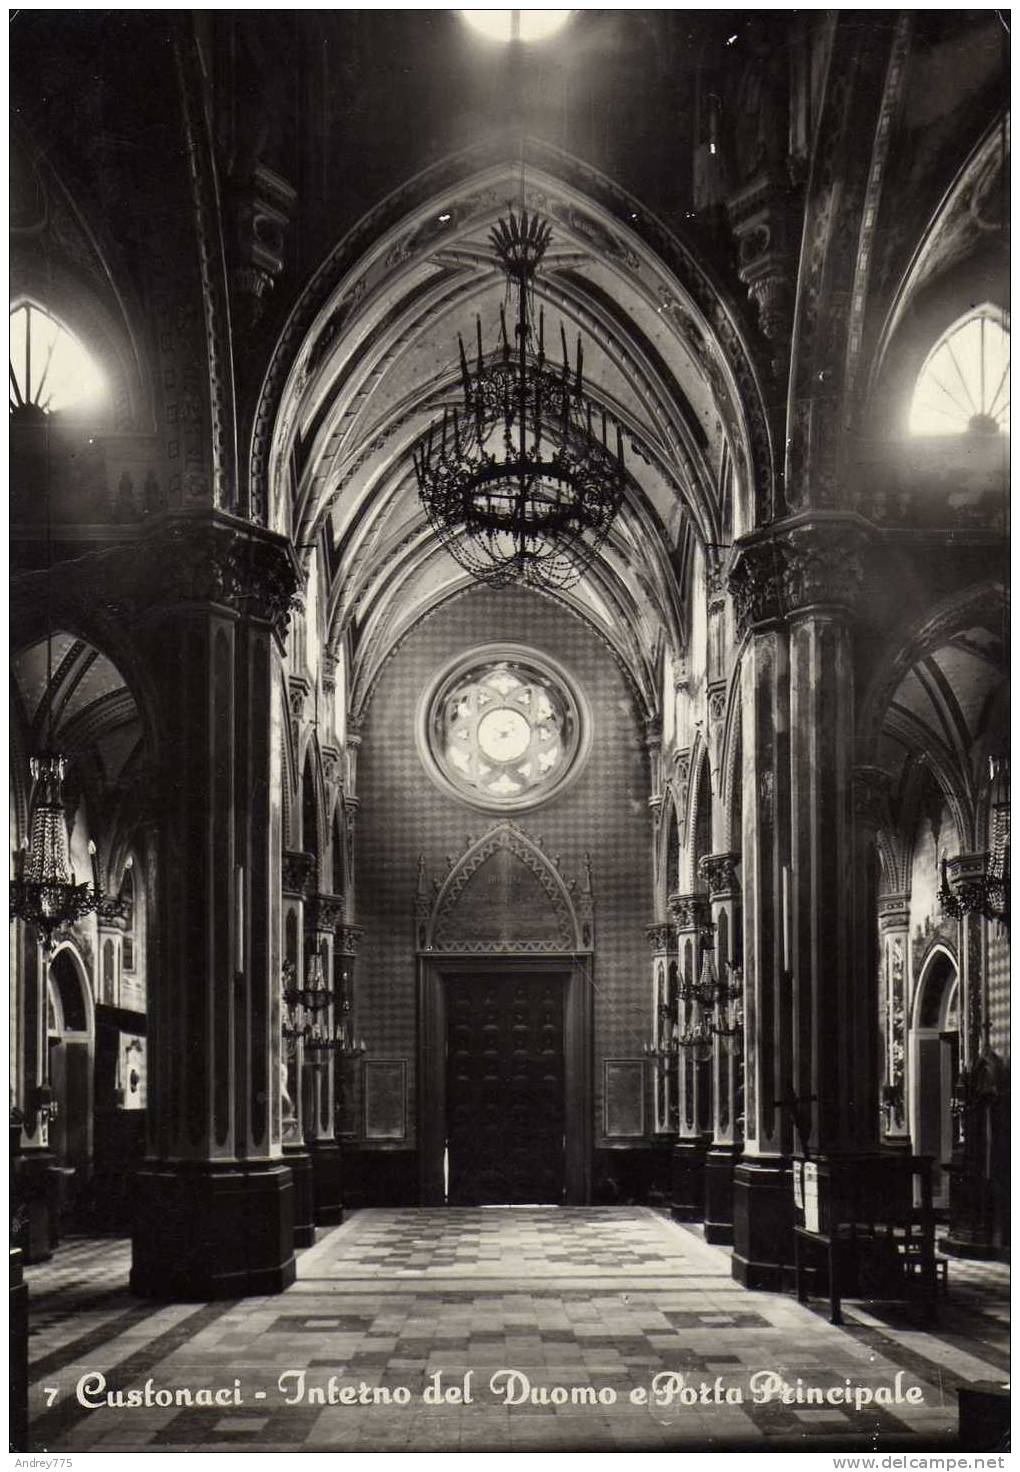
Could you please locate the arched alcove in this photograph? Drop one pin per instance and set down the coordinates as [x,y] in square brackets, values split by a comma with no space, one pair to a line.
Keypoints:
[935,1065]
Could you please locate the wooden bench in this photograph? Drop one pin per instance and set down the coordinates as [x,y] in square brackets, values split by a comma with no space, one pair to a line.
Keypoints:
[875,1233]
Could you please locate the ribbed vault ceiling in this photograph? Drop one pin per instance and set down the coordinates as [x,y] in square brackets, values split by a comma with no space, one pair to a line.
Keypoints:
[381,362]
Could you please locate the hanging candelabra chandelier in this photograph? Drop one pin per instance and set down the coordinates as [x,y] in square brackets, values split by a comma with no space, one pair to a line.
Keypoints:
[519,482]
[44,893]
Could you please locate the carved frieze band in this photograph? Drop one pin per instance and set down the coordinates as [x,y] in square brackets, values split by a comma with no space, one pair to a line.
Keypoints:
[813,564]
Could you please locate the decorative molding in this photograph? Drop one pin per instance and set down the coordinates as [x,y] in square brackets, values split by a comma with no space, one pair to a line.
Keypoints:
[690,911]
[661,936]
[325,912]
[893,912]
[261,208]
[348,939]
[299,687]
[571,905]
[207,560]
[212,267]
[719,871]
[872,797]
[298,873]
[797,566]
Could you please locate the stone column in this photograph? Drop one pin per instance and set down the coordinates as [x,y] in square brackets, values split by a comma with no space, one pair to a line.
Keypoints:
[209,597]
[811,1021]
[297,881]
[694,1073]
[324,914]
[894,949]
[719,872]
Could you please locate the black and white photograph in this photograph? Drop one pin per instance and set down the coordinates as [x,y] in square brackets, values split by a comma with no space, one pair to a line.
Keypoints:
[509,733]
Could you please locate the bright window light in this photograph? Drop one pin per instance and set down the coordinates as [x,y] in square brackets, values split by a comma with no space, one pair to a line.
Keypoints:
[49,368]
[964,384]
[524,25]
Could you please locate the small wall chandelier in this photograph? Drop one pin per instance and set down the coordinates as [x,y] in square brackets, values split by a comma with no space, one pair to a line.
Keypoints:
[979,883]
[519,483]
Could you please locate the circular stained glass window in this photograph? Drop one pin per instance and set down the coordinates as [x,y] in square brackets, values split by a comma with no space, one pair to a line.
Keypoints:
[502,728]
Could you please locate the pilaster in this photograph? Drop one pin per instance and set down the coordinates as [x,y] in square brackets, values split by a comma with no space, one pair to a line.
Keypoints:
[894,949]
[690,914]
[719,872]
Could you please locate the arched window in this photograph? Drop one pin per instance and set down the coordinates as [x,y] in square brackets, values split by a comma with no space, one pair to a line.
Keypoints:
[964,384]
[49,368]
[127,899]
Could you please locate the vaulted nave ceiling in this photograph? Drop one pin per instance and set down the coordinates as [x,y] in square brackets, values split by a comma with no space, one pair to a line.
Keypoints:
[360,398]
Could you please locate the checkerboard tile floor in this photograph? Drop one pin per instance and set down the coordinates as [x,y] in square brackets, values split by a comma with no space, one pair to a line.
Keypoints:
[602,1297]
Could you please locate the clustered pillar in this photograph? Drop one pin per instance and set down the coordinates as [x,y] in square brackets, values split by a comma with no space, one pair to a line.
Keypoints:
[214,1212]
[811,1065]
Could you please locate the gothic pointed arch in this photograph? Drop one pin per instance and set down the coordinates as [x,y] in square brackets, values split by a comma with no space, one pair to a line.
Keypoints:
[504,895]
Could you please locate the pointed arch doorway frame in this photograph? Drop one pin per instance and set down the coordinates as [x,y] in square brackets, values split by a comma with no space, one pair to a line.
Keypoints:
[451,951]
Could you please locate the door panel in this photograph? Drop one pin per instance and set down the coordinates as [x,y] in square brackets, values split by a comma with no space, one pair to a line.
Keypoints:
[505,1089]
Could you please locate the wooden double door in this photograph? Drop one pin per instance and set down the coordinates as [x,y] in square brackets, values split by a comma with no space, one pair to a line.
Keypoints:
[505,1088]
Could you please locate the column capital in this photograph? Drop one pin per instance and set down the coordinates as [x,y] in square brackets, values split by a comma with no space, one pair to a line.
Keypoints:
[719,871]
[325,912]
[220,560]
[348,939]
[807,562]
[689,911]
[298,873]
[661,936]
[893,912]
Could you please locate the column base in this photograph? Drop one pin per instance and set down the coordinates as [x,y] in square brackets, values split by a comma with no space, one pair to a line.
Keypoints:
[687,1180]
[325,1157]
[206,1230]
[974,1250]
[763,1223]
[720,1163]
[300,1163]
[17,1368]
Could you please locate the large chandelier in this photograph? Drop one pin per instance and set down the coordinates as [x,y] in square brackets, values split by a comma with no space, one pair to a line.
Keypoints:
[44,893]
[518,482]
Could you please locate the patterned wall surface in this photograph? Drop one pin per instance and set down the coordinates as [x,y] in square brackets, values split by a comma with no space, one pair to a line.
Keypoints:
[403,814]
[998,989]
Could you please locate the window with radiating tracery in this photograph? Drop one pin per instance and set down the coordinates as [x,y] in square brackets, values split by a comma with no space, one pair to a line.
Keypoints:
[963,387]
[49,368]
[502,732]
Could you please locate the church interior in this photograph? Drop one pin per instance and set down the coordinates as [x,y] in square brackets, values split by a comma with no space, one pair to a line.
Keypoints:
[509,724]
